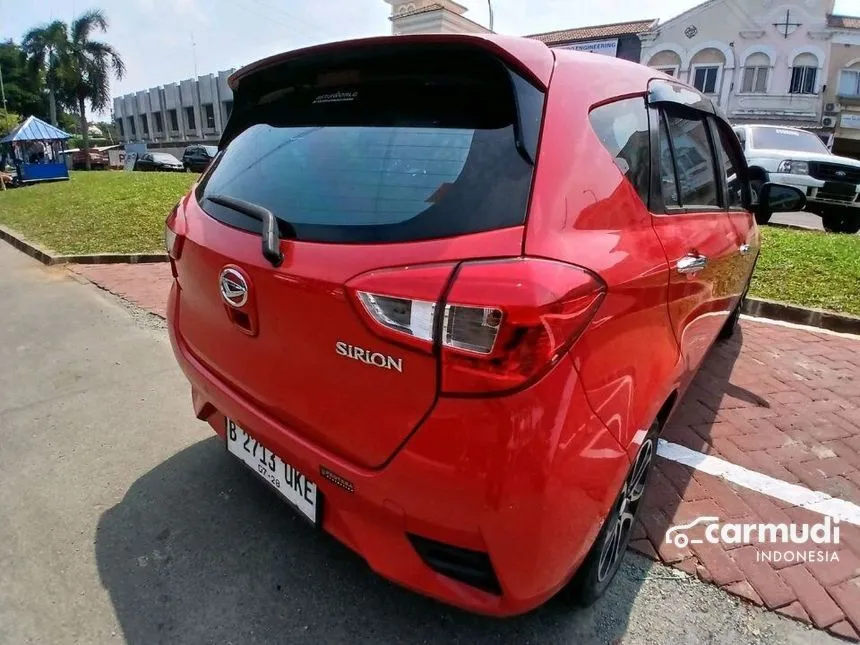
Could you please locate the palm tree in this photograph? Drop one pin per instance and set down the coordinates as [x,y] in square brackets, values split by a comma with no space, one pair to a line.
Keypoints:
[45,50]
[88,67]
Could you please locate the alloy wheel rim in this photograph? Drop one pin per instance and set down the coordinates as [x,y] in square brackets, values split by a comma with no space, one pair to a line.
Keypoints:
[625,512]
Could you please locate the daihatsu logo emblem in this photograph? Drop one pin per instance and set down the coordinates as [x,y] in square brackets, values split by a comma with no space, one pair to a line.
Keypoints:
[840,173]
[234,288]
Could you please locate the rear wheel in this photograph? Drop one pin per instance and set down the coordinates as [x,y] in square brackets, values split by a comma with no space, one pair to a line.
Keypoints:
[602,562]
[841,221]
[731,323]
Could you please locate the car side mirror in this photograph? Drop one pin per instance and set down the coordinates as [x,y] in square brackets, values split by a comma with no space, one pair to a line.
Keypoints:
[779,198]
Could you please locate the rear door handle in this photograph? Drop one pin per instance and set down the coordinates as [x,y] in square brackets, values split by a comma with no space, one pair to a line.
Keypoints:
[691,264]
[744,249]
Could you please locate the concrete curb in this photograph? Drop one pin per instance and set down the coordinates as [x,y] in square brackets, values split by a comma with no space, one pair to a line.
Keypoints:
[774,310]
[46,257]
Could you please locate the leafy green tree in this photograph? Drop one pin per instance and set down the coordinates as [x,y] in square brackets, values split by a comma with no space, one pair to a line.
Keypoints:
[8,120]
[77,69]
[46,50]
[21,84]
[91,64]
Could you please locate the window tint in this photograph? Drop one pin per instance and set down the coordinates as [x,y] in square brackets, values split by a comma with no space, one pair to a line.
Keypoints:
[668,181]
[731,164]
[622,128]
[387,159]
[693,157]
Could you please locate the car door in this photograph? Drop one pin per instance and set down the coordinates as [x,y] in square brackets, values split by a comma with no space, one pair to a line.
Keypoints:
[696,234]
[735,179]
[145,162]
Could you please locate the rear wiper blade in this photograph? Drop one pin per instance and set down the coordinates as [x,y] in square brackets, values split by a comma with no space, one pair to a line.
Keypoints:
[271,236]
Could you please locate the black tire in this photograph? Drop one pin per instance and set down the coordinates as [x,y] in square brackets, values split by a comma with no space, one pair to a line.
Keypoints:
[731,323]
[841,221]
[603,560]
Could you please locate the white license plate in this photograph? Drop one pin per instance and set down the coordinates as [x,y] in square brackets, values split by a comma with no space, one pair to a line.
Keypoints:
[293,485]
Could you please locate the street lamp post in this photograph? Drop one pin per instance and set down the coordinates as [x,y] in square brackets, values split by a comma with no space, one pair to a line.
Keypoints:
[490,3]
[2,90]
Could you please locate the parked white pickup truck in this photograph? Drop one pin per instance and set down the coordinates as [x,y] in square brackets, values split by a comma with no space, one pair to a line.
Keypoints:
[799,158]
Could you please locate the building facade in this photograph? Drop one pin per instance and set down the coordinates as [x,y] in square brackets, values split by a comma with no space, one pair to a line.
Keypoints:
[431,17]
[760,60]
[842,93]
[621,39]
[191,111]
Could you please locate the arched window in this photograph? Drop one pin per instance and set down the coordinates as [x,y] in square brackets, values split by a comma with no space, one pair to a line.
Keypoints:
[666,61]
[756,70]
[804,74]
[706,70]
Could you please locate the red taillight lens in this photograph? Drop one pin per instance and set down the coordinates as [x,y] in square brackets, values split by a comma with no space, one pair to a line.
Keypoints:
[538,309]
[504,323]
[174,233]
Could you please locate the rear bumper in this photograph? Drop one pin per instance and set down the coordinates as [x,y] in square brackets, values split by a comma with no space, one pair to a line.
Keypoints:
[526,479]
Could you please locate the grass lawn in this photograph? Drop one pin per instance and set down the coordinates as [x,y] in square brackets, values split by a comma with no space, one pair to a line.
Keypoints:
[123,212]
[810,269]
[94,212]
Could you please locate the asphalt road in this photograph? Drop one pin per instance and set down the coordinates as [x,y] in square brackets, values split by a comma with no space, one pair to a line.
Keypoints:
[124,520]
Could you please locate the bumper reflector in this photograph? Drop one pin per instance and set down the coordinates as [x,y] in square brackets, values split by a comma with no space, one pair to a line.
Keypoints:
[464,565]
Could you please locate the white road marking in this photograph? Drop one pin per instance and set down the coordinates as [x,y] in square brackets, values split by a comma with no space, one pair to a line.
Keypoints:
[791,493]
[790,325]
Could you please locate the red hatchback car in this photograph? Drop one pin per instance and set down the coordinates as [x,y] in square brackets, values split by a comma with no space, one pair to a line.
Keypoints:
[442,293]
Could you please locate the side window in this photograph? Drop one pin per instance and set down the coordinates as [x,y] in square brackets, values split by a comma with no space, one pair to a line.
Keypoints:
[730,158]
[622,128]
[693,154]
[668,180]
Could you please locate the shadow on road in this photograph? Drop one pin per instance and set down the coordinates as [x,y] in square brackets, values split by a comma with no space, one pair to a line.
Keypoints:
[199,551]
[691,425]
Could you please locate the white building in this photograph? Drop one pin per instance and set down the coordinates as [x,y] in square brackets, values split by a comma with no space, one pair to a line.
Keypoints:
[761,60]
[190,111]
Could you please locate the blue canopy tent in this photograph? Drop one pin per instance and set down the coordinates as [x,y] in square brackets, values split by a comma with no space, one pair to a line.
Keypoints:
[37,151]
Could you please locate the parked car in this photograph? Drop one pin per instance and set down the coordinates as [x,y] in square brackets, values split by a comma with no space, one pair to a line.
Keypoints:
[799,158]
[198,158]
[447,321]
[158,161]
[98,160]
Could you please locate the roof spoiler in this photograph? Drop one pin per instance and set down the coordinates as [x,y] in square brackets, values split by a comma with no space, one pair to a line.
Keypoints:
[530,58]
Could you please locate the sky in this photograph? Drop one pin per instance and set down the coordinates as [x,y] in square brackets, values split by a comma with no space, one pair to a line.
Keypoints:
[163,41]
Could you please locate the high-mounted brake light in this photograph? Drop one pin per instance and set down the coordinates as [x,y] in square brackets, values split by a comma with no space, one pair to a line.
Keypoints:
[504,322]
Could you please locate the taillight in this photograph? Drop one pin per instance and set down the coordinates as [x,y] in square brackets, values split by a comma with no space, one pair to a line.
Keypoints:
[174,233]
[504,322]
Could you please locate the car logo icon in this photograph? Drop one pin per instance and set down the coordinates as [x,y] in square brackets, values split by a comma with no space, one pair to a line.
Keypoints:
[676,536]
[234,287]
[840,173]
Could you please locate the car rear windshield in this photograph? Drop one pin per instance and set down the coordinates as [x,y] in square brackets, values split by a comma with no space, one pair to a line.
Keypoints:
[391,148]
[787,139]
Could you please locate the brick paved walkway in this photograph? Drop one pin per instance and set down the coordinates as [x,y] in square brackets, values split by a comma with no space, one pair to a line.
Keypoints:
[781,401]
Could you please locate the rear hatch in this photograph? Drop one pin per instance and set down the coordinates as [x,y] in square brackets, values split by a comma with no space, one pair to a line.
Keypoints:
[396,153]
